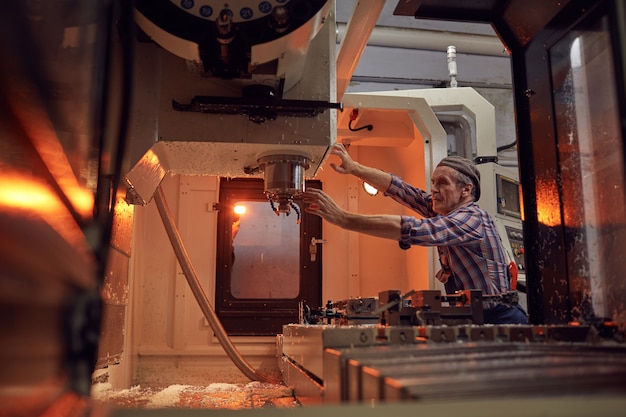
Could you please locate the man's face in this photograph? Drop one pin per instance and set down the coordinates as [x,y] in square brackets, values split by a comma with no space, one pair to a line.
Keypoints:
[447,194]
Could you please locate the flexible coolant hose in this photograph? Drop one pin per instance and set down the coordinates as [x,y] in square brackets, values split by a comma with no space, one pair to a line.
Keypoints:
[198,292]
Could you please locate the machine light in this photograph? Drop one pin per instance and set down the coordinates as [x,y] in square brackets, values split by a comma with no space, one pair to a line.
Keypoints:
[239,209]
[370,189]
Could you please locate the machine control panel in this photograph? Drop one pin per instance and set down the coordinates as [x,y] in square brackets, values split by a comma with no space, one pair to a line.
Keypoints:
[516,240]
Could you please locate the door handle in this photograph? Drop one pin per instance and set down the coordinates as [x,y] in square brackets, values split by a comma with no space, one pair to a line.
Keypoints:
[313,247]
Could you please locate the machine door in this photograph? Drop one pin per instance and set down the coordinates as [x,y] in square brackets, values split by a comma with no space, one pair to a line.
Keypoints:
[266,265]
[575,166]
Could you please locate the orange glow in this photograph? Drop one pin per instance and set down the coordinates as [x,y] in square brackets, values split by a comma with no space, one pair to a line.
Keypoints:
[239,209]
[24,193]
[26,196]
[39,129]
[122,209]
[548,209]
[122,224]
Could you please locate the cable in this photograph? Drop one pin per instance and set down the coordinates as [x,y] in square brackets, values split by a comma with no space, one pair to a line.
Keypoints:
[505,147]
[295,208]
[353,116]
[368,127]
[198,292]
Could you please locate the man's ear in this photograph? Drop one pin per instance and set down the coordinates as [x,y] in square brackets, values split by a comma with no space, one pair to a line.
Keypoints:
[467,190]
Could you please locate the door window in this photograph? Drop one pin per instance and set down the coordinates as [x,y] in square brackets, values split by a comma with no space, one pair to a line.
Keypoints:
[266,253]
[264,269]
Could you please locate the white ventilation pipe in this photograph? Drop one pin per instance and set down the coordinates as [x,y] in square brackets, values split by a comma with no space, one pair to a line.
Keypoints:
[431,40]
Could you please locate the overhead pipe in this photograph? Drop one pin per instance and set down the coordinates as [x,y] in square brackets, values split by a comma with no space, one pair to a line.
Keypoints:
[198,292]
[430,40]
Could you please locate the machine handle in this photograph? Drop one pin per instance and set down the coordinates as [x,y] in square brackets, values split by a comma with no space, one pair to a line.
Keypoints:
[313,247]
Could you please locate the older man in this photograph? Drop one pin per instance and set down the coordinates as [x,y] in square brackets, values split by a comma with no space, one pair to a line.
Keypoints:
[470,249]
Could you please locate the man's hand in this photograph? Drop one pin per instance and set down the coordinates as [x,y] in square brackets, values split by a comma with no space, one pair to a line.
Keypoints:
[320,204]
[348,165]
[384,225]
[374,177]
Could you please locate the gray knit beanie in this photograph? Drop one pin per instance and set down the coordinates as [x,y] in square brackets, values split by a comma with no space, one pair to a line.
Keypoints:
[465,167]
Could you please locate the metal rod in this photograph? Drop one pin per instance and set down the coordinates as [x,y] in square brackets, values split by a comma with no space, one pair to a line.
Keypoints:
[357,32]
[198,292]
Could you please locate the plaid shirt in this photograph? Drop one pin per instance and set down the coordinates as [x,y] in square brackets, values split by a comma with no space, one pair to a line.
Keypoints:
[467,239]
